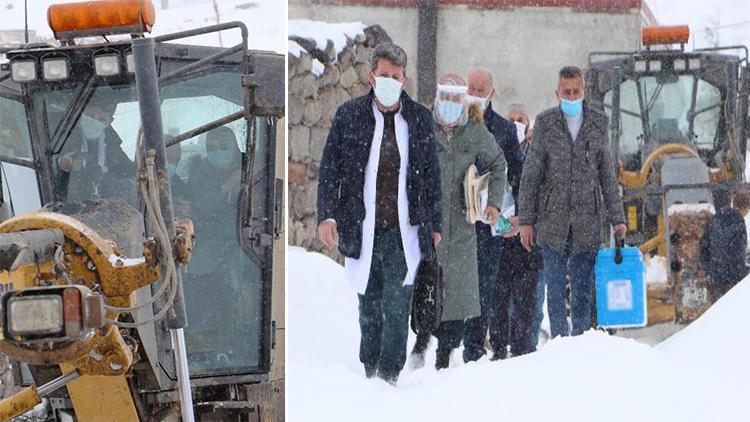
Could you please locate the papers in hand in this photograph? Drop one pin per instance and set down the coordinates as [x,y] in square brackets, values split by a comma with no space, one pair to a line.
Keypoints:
[476,195]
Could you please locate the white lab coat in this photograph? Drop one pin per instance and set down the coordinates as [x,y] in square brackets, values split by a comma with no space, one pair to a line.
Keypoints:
[357,271]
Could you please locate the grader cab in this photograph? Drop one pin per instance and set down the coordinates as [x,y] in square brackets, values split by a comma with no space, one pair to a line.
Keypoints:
[110,310]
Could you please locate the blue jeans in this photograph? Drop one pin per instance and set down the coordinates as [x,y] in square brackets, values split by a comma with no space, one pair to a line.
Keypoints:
[384,308]
[536,325]
[581,289]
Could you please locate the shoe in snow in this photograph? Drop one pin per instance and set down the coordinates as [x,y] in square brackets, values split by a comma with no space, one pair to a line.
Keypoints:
[443,359]
[416,360]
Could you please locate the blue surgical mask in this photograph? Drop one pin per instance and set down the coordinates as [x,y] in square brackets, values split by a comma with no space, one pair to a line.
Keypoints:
[92,129]
[387,90]
[571,108]
[220,158]
[450,111]
[171,169]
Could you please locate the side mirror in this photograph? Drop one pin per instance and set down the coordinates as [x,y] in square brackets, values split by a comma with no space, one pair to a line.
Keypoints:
[264,85]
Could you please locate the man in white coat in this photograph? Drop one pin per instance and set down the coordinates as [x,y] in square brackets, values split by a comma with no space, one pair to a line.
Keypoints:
[379,199]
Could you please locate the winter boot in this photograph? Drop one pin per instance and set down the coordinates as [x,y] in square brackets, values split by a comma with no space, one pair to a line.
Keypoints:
[443,358]
[389,377]
[416,358]
[370,371]
[499,354]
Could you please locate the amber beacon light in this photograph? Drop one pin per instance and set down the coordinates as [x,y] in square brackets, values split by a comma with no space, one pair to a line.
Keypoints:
[102,17]
[679,34]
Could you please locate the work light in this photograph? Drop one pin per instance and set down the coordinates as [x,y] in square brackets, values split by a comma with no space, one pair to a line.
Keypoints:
[51,314]
[55,69]
[107,65]
[130,62]
[23,70]
[35,315]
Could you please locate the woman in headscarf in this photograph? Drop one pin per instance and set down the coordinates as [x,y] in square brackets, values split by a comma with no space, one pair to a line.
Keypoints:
[462,139]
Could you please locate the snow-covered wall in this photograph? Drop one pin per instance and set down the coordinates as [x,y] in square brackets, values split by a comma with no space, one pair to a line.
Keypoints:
[328,65]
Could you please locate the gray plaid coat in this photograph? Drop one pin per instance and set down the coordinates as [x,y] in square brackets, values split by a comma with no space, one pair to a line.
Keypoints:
[567,184]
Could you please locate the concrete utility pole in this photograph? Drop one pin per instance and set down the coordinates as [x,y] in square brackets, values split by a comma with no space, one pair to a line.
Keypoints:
[426,54]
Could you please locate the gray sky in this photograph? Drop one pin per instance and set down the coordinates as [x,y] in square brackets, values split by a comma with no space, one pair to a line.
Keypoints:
[727,21]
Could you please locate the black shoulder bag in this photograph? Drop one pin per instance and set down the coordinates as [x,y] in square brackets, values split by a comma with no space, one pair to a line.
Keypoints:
[427,300]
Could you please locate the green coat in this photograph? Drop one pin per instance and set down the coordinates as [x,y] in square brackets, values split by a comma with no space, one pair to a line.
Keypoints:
[457,252]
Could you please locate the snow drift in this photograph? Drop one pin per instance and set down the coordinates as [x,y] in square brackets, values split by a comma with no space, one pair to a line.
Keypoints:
[697,375]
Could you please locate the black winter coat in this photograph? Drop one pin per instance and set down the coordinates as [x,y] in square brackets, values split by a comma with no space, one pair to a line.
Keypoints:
[507,140]
[342,172]
[723,247]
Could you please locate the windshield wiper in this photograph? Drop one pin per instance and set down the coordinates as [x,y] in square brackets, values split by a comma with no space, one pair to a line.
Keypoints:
[65,126]
[652,101]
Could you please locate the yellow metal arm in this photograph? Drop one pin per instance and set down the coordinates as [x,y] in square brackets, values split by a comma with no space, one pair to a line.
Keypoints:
[26,399]
[19,403]
[639,179]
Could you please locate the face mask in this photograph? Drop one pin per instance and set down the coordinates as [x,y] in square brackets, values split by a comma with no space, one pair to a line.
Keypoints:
[477,100]
[450,111]
[220,158]
[387,90]
[520,131]
[171,169]
[571,108]
[92,129]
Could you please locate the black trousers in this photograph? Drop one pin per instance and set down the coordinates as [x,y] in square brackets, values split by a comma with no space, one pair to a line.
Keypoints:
[515,302]
[489,253]
[449,335]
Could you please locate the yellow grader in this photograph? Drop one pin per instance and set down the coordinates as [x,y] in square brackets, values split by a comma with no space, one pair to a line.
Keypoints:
[112,309]
[678,127]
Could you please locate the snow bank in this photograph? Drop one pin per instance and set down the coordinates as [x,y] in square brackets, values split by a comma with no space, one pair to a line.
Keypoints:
[321,32]
[695,376]
[712,353]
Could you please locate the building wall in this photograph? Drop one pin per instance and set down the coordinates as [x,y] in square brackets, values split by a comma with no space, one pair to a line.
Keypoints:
[15,37]
[523,46]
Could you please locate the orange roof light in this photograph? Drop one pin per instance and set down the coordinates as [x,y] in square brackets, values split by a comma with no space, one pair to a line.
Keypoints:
[101,17]
[679,34]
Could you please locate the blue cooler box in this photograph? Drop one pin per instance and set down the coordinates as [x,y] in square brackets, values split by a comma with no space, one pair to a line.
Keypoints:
[620,289]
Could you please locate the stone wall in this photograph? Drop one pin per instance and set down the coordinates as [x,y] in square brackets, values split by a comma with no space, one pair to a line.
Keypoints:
[315,93]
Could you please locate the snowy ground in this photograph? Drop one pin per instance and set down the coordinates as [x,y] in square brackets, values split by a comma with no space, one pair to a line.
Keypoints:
[265,19]
[699,374]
